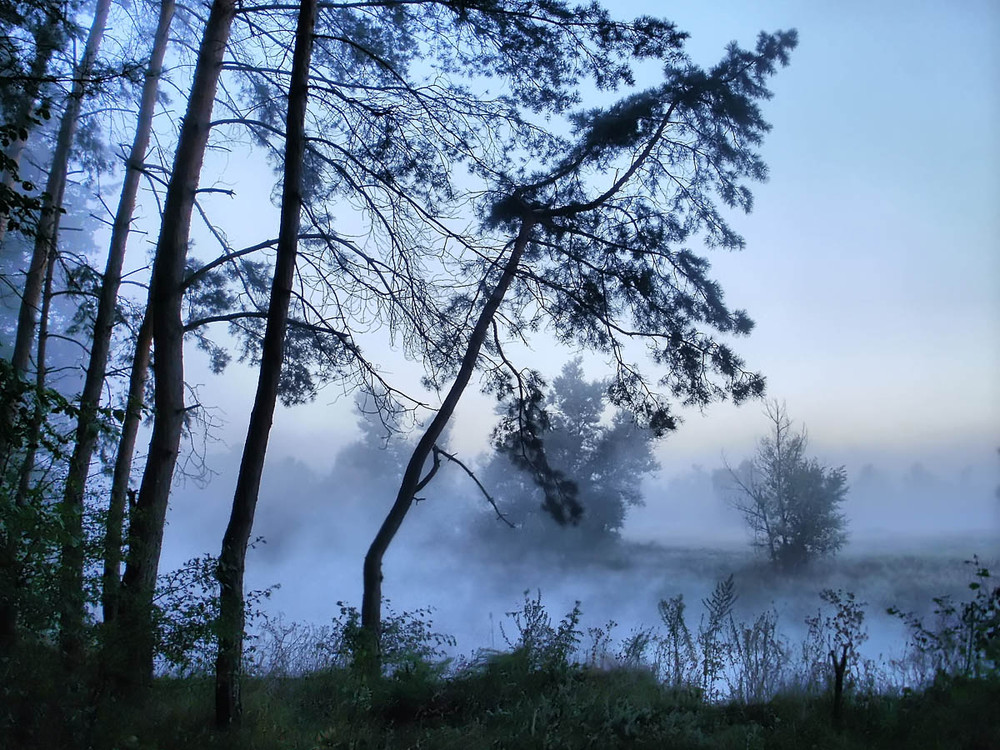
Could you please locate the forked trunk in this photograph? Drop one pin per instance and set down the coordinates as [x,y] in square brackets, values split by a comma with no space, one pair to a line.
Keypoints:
[71,562]
[135,627]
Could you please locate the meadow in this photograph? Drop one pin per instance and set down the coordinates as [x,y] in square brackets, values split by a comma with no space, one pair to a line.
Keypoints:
[755,662]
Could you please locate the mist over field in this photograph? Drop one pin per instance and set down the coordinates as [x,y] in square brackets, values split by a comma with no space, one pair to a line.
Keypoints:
[909,532]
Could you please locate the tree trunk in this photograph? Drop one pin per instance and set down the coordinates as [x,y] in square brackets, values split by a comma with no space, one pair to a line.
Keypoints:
[48,224]
[371,603]
[45,245]
[35,426]
[232,559]
[12,554]
[135,626]
[72,560]
[111,578]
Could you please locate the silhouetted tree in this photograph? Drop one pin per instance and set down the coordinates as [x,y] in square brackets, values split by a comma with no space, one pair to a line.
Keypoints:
[232,559]
[100,349]
[605,455]
[133,662]
[38,277]
[602,267]
[790,502]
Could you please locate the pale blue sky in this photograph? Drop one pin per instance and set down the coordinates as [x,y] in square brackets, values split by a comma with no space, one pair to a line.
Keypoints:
[873,255]
[872,265]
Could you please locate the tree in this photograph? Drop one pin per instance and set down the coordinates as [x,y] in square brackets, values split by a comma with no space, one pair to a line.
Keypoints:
[606,456]
[134,662]
[40,269]
[232,560]
[603,266]
[100,349]
[790,502]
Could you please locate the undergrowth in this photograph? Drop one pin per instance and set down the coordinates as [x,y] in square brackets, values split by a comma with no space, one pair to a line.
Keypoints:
[723,682]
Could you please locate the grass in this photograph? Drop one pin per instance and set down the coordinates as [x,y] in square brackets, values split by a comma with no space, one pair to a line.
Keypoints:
[501,702]
[556,686]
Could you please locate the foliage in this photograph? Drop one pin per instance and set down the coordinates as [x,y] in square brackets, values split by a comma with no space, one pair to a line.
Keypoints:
[19,206]
[711,634]
[39,422]
[605,455]
[186,611]
[544,647]
[835,636]
[543,693]
[966,637]
[676,656]
[758,655]
[406,639]
[790,502]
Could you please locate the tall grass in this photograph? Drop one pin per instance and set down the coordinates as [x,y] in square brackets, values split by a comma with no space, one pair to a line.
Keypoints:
[726,681]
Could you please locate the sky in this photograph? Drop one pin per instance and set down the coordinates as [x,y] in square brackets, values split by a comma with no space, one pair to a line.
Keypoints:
[872,270]
[872,260]
[872,265]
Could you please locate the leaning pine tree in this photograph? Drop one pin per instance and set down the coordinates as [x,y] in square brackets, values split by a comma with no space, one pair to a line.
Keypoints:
[603,267]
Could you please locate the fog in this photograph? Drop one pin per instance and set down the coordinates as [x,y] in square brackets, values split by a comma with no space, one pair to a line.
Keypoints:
[910,529]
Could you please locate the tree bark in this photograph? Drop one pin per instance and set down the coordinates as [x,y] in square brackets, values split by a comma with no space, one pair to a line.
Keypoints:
[145,538]
[111,577]
[232,559]
[45,245]
[72,559]
[371,603]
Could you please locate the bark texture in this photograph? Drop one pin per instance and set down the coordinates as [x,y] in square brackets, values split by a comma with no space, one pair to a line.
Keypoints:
[232,559]
[136,627]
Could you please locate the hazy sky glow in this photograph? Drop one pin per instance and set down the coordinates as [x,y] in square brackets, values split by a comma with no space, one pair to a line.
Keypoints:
[872,265]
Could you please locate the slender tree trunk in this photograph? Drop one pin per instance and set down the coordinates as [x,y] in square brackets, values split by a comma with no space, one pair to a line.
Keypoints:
[35,426]
[371,604]
[12,552]
[165,296]
[45,245]
[72,560]
[111,578]
[232,559]
[48,224]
